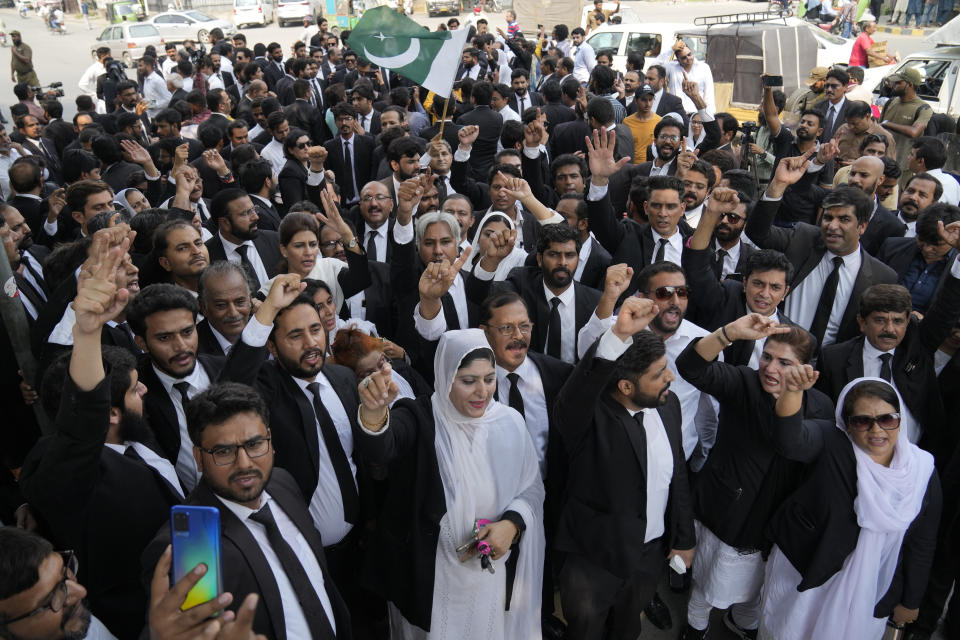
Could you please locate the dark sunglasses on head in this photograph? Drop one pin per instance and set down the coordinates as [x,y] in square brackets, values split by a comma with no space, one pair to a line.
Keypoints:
[665,293]
[887,422]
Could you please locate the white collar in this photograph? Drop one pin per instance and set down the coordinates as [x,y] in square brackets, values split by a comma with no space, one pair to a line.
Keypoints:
[194,378]
[871,351]
[243,513]
[232,246]
[566,298]
[526,370]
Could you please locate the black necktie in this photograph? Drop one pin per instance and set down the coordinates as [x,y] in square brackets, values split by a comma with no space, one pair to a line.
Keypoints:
[348,490]
[831,116]
[310,603]
[515,400]
[885,366]
[184,389]
[246,264]
[660,250]
[348,191]
[372,245]
[317,94]
[553,328]
[825,306]
[450,311]
[718,263]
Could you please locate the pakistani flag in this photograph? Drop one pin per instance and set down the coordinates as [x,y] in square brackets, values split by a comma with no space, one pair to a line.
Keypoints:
[393,41]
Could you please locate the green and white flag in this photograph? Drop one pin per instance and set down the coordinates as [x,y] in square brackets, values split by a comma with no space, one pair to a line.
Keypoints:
[393,41]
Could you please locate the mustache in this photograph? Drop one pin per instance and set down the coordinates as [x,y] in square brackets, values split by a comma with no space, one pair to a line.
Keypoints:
[176,356]
[560,270]
[672,308]
[888,336]
[245,473]
[518,344]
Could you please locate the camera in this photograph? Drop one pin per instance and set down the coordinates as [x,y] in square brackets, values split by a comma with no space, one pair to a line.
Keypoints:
[116,70]
[55,87]
[197,55]
[749,128]
[181,521]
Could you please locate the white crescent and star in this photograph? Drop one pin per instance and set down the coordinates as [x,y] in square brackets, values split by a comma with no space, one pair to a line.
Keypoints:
[395,62]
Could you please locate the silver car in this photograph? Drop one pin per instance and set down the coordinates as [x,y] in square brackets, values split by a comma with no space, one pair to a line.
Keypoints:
[177,26]
[127,41]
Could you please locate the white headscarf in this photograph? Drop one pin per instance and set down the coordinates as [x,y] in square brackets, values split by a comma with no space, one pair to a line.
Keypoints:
[495,448]
[888,500]
[121,199]
[516,258]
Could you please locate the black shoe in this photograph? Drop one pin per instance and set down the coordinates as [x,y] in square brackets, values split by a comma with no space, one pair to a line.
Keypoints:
[689,633]
[658,614]
[552,628]
[740,632]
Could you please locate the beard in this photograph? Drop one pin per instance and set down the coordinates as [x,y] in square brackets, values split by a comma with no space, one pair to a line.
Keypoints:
[298,370]
[134,428]
[559,277]
[79,611]
[248,495]
[648,401]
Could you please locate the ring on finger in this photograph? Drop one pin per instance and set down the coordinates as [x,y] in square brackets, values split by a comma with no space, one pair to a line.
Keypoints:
[366,382]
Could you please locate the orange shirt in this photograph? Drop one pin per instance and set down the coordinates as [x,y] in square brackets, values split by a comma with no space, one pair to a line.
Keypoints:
[642,131]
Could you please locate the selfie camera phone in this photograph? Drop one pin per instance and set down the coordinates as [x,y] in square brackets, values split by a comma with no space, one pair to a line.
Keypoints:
[195,537]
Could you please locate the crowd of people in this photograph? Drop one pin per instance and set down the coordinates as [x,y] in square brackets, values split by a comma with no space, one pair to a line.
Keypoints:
[500,365]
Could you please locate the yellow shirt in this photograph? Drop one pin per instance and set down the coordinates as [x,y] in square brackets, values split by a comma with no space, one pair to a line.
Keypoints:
[642,131]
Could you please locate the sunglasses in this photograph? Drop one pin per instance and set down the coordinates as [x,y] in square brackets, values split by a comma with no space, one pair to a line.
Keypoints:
[886,421]
[732,217]
[665,293]
[303,145]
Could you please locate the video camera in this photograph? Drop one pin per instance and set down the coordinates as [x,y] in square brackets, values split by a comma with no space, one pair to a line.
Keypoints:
[197,55]
[55,87]
[116,70]
[749,128]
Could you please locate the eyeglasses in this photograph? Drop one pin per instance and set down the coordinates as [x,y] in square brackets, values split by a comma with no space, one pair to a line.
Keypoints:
[833,85]
[507,330]
[732,217]
[58,595]
[378,198]
[226,454]
[331,244]
[665,293]
[665,138]
[886,421]
[303,145]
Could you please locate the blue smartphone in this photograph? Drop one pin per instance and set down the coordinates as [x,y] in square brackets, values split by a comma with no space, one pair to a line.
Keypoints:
[195,536]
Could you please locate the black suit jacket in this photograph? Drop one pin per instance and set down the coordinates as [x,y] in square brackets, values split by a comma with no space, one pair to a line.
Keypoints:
[212,185]
[207,343]
[568,137]
[604,517]
[715,303]
[485,147]
[362,149]
[619,187]
[536,100]
[828,131]
[34,213]
[882,225]
[898,253]
[267,214]
[816,527]
[803,245]
[745,478]
[244,568]
[449,133]
[670,103]
[267,244]
[528,282]
[104,505]
[293,183]
[912,366]
[628,242]
[557,113]
[378,299]
[302,115]
[595,272]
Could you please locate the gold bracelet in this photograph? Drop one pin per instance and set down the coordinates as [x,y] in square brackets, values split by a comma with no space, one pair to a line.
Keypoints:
[371,427]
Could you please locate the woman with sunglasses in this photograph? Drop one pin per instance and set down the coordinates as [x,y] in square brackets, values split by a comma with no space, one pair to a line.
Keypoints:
[366,354]
[854,544]
[293,176]
[745,477]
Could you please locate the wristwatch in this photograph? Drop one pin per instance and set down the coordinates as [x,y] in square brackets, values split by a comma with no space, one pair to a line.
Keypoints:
[352,243]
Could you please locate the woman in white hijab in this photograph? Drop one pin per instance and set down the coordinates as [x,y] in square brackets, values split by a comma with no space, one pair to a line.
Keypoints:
[131,200]
[491,228]
[454,457]
[854,544]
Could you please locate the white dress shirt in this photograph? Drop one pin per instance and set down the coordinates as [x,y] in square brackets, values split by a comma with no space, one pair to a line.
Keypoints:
[951,188]
[701,74]
[199,381]
[153,460]
[568,322]
[231,250]
[801,303]
[379,239]
[758,345]
[663,170]
[225,344]
[294,621]
[155,91]
[693,215]
[585,250]
[509,114]
[88,81]
[326,503]
[273,151]
[656,100]
[673,249]
[730,260]
[535,411]
[871,369]
[699,409]
[584,60]
[659,456]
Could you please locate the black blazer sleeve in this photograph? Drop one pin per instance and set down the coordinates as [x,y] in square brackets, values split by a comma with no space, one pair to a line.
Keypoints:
[356,277]
[709,295]
[719,379]
[682,532]
[712,138]
[578,398]
[799,439]
[394,440]
[604,224]
[464,184]
[293,186]
[62,480]
[760,227]
[942,314]
[918,546]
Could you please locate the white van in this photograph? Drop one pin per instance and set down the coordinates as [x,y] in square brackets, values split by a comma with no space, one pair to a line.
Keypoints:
[252,12]
[294,11]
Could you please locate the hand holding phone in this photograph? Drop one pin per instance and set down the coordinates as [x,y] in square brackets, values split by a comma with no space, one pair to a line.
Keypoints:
[195,537]
[772,81]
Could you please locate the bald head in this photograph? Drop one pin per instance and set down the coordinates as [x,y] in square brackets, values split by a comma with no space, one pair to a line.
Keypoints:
[256,89]
[866,174]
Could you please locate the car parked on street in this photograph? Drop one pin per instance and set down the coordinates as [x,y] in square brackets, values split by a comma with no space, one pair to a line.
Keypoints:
[127,41]
[177,26]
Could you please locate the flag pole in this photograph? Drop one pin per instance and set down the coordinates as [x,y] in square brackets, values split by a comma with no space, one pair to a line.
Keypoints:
[443,117]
